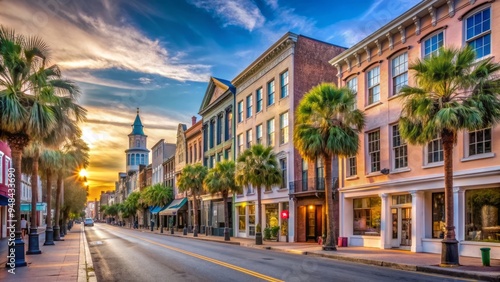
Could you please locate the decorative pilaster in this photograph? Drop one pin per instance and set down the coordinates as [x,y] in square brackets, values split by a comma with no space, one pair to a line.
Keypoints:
[459,212]
[385,222]
[417,224]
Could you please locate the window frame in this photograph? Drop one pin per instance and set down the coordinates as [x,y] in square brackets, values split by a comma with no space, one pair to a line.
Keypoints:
[271,96]
[467,142]
[284,129]
[240,111]
[351,164]
[402,145]
[249,138]
[284,84]
[258,97]
[371,88]
[349,84]
[427,151]
[239,140]
[429,37]
[369,150]
[271,135]
[284,172]
[249,100]
[467,41]
[394,90]
[258,139]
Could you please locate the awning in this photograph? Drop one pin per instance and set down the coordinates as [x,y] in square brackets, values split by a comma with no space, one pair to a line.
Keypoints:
[157,209]
[4,200]
[39,207]
[174,206]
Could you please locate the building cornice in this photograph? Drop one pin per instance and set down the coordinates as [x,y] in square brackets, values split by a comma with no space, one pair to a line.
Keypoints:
[285,42]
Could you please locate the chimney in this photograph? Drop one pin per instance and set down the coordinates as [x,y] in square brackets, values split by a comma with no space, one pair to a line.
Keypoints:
[193,120]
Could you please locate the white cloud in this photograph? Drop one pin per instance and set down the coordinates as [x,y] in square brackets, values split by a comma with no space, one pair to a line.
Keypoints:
[145,80]
[243,13]
[84,41]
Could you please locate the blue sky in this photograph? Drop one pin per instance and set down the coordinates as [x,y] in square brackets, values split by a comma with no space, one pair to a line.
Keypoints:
[159,55]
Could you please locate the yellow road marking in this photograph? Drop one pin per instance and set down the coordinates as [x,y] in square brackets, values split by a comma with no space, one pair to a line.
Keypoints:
[221,263]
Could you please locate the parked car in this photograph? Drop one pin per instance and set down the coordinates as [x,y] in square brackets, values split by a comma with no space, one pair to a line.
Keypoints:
[88,222]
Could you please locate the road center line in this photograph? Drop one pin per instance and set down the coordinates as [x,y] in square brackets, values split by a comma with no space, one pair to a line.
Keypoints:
[218,262]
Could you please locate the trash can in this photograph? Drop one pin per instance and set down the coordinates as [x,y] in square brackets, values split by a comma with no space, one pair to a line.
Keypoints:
[339,242]
[344,241]
[485,256]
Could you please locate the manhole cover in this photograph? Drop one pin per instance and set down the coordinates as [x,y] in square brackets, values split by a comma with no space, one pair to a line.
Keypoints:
[95,243]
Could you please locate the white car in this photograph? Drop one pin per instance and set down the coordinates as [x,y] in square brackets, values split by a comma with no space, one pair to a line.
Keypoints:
[88,222]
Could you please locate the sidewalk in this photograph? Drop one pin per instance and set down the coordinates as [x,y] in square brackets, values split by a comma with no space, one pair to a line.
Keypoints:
[56,263]
[470,267]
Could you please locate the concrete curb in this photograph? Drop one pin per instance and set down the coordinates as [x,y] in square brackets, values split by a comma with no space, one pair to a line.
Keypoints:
[86,263]
[455,273]
[195,238]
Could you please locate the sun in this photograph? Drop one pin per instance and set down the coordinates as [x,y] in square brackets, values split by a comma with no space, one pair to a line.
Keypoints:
[83,173]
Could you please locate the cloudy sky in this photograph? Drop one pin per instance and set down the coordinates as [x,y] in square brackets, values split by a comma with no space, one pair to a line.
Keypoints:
[158,55]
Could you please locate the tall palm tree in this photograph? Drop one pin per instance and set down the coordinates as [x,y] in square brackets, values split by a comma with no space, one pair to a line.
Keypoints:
[32,95]
[327,124]
[131,205]
[191,181]
[221,179]
[48,163]
[453,92]
[258,166]
[72,157]
[158,195]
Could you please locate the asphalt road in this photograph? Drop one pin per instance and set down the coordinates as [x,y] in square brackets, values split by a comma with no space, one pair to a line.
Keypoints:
[121,254]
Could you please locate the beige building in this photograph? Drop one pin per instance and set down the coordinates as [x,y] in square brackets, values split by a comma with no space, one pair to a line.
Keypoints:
[392,193]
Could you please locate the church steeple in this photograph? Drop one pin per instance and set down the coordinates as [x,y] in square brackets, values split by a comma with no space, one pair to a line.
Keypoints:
[137,127]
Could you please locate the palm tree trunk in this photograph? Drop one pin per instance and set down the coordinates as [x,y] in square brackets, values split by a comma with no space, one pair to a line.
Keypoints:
[329,243]
[49,237]
[57,234]
[258,234]
[17,154]
[226,216]
[449,249]
[33,247]
[195,216]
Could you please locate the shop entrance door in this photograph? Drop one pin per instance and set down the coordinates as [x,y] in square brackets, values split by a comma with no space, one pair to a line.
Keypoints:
[401,227]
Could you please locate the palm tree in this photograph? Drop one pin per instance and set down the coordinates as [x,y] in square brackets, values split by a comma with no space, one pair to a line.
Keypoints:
[327,124]
[258,166]
[191,181]
[157,195]
[131,205]
[453,92]
[32,96]
[221,179]
[73,156]
[48,163]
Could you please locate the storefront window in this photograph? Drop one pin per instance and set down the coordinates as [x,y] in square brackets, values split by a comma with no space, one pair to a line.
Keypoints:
[272,215]
[482,222]
[251,220]
[284,222]
[438,215]
[242,221]
[367,212]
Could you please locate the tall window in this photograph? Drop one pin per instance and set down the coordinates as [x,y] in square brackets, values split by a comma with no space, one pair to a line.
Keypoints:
[270,92]
[205,137]
[374,150]
[478,32]
[432,44]
[367,216]
[352,169]
[2,169]
[242,218]
[283,173]
[199,152]
[270,132]
[305,168]
[258,133]
[195,154]
[284,84]
[229,125]
[240,143]
[320,174]
[435,151]
[374,85]
[438,215]
[258,95]
[212,135]
[251,220]
[399,73]
[249,138]
[220,132]
[480,142]
[240,111]
[399,148]
[353,85]
[284,128]
[481,215]
[249,106]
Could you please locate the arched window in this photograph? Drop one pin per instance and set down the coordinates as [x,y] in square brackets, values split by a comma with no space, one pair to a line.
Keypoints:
[132,159]
[142,159]
[137,159]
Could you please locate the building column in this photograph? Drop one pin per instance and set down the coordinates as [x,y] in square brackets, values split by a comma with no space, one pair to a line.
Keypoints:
[417,220]
[459,212]
[385,222]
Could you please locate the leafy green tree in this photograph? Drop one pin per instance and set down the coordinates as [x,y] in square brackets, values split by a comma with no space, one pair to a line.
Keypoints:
[453,92]
[221,180]
[327,124]
[131,205]
[191,181]
[75,198]
[32,97]
[258,166]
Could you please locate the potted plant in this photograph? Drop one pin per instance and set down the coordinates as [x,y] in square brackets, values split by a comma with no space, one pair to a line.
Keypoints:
[267,233]
[274,232]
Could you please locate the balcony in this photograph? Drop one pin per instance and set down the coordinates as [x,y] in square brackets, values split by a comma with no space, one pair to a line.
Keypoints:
[310,186]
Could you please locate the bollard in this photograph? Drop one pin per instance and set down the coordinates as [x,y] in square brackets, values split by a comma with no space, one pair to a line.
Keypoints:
[485,256]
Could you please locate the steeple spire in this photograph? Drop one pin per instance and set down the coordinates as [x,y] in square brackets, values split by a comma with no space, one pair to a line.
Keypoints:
[137,127]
